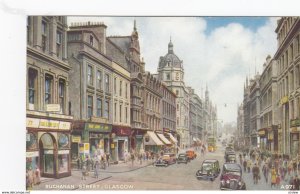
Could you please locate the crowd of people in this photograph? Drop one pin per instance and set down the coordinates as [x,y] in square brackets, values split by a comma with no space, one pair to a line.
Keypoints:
[276,171]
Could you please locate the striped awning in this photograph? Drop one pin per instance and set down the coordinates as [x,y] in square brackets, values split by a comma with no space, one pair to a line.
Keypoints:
[164,139]
[172,138]
[153,139]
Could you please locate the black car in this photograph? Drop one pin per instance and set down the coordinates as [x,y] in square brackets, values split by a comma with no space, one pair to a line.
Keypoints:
[231,177]
[210,169]
[182,158]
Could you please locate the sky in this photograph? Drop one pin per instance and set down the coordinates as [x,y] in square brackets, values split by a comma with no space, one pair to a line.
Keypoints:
[216,51]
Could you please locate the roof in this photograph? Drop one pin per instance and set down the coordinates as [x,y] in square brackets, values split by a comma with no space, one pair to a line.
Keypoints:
[232,166]
[170,59]
[123,42]
[210,161]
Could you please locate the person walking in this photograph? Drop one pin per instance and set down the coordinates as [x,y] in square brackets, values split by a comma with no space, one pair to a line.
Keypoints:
[278,179]
[132,158]
[125,157]
[265,171]
[255,172]
[97,169]
[245,165]
[37,176]
[296,183]
[249,164]
[273,176]
[84,172]
[107,158]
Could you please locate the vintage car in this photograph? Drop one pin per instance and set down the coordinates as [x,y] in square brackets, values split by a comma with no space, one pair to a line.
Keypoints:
[183,158]
[210,169]
[231,177]
[191,154]
[166,160]
[230,157]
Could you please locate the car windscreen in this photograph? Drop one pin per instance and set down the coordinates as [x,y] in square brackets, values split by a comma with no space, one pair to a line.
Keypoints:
[206,167]
[234,173]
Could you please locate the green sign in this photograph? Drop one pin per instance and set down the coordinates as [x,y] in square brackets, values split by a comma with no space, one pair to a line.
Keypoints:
[98,127]
[295,123]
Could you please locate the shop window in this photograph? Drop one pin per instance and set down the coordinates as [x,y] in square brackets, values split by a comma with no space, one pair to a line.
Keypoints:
[90,106]
[99,107]
[99,79]
[63,141]
[90,75]
[32,85]
[48,162]
[31,141]
[48,89]
[63,160]
[62,90]
[106,83]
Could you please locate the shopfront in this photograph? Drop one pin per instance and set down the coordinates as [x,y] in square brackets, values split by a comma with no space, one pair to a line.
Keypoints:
[152,142]
[263,139]
[121,141]
[137,140]
[294,137]
[48,147]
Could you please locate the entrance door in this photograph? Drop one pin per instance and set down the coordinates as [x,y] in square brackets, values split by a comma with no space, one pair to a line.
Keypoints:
[48,158]
[121,149]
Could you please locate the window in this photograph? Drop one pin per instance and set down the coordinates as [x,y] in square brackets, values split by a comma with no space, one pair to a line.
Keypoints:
[115,108]
[99,107]
[61,91]
[58,43]
[90,75]
[32,83]
[126,92]
[90,106]
[120,113]
[106,110]
[106,82]
[48,89]
[168,77]
[91,40]
[115,86]
[99,79]
[177,92]
[126,115]
[44,35]
[121,83]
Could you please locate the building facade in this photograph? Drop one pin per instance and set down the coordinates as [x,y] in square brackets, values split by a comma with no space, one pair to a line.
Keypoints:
[268,132]
[288,59]
[48,120]
[240,126]
[91,90]
[170,70]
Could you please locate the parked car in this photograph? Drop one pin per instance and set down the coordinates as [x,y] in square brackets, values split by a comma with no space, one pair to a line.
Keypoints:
[210,169]
[231,177]
[183,158]
[166,160]
[191,154]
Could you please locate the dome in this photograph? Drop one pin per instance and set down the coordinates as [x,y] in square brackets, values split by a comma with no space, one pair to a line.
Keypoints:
[170,59]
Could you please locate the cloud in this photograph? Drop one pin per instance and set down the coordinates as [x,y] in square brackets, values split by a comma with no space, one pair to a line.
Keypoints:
[222,59]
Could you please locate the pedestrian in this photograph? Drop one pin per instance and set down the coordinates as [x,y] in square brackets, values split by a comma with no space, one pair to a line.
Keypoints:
[97,169]
[27,180]
[278,180]
[88,163]
[108,158]
[78,163]
[140,158]
[249,164]
[273,176]
[37,174]
[294,167]
[245,165]
[30,177]
[241,159]
[125,156]
[255,173]
[84,172]
[92,163]
[132,158]
[265,171]
[296,183]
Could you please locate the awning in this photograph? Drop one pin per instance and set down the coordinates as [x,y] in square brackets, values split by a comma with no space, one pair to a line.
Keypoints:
[153,139]
[163,138]
[194,139]
[172,138]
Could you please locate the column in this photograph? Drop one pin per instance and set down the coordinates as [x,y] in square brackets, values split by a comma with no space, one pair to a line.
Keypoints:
[37,32]
[52,36]
[64,39]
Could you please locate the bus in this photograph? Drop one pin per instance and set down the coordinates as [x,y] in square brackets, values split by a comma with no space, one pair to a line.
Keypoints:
[211,144]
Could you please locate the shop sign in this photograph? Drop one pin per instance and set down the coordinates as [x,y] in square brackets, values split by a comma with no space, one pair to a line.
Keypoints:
[112,146]
[32,123]
[262,133]
[52,107]
[63,151]
[295,122]
[139,136]
[98,127]
[49,124]
[99,120]
[76,139]
[86,147]
[32,154]
[64,125]
[122,138]
[295,129]
[81,148]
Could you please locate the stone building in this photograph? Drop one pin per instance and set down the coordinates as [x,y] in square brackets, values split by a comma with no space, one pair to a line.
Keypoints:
[268,132]
[48,120]
[170,70]
[240,125]
[246,114]
[287,57]
[125,50]
[91,90]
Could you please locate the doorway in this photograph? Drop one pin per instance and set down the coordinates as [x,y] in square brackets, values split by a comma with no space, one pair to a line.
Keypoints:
[48,149]
[121,149]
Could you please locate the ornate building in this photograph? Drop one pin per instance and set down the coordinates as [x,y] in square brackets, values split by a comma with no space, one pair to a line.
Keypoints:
[170,70]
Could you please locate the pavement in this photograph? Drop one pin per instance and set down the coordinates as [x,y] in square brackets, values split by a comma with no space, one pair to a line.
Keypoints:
[75,181]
